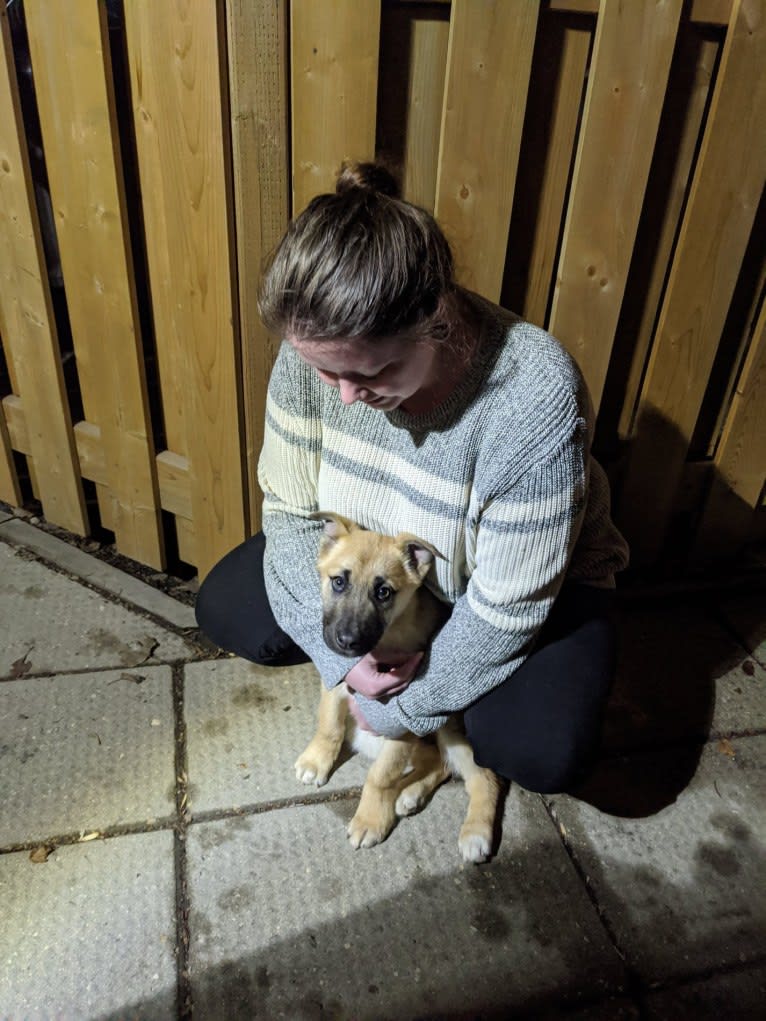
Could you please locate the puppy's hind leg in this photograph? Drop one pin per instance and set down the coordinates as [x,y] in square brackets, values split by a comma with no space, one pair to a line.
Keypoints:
[428,772]
[483,786]
[316,762]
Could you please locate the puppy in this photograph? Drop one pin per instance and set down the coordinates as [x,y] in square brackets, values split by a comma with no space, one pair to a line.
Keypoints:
[373,600]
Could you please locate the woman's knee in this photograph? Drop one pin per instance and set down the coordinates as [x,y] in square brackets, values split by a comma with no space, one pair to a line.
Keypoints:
[540,766]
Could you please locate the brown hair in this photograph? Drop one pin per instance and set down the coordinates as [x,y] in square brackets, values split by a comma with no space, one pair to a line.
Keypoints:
[361,262]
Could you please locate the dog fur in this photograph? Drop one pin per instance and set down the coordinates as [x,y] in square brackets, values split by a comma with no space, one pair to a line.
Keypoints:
[373,599]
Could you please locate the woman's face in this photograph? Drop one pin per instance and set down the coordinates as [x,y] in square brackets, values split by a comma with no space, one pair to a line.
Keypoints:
[389,373]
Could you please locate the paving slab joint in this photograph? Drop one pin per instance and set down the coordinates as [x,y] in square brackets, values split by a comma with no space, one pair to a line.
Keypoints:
[633,983]
[183,818]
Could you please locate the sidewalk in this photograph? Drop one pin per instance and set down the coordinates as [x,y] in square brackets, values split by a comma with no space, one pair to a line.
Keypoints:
[158,859]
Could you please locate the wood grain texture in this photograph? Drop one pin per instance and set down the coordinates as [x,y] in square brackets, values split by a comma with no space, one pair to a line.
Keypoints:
[334,68]
[555,173]
[72,68]
[413,61]
[27,324]
[488,65]
[175,59]
[704,54]
[626,88]
[727,185]
[258,70]
[10,490]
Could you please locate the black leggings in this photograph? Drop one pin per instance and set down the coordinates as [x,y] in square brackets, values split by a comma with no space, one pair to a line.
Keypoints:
[540,728]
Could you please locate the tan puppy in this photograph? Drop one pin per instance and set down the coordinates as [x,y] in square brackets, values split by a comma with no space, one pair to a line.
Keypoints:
[373,601]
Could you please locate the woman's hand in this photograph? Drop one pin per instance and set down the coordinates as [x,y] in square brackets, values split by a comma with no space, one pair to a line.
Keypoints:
[375,679]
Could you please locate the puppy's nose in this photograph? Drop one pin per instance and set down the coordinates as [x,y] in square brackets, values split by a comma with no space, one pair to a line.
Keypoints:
[347,639]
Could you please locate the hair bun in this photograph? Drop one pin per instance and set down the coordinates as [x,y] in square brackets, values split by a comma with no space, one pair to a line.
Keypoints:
[372,177]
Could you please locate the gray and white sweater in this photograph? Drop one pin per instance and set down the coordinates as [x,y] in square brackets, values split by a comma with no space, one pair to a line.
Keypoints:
[499,479]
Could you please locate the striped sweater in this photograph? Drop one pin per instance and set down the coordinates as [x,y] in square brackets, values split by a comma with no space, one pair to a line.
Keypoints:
[499,478]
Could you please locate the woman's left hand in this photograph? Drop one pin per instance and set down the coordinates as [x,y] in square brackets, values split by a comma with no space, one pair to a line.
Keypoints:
[368,679]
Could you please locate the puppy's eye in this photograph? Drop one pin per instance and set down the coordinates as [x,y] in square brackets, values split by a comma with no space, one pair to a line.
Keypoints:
[383,593]
[338,583]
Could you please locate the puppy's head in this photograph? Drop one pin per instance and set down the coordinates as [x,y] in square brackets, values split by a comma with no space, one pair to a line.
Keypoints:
[367,581]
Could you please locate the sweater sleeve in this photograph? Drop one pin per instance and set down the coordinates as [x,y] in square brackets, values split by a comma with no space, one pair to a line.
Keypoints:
[526,535]
[288,471]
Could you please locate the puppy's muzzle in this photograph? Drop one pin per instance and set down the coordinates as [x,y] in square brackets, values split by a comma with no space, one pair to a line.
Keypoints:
[347,638]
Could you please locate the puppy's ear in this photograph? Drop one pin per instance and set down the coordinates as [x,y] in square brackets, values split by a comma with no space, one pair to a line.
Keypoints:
[335,525]
[417,554]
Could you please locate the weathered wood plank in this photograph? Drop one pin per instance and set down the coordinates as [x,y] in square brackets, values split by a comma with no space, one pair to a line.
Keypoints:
[69,46]
[740,461]
[176,59]
[27,323]
[10,490]
[726,188]
[626,88]
[488,65]
[258,69]
[555,173]
[334,68]
[704,54]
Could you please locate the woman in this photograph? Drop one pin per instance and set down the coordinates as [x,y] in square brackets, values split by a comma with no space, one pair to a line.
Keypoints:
[409,404]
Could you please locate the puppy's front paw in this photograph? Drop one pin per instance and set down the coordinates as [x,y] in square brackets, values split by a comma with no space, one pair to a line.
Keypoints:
[315,764]
[475,843]
[368,830]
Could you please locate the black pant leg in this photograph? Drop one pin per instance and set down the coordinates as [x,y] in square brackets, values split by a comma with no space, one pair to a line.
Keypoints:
[542,727]
[233,609]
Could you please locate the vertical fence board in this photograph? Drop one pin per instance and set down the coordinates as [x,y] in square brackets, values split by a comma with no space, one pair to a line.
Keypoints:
[257,36]
[555,174]
[175,67]
[727,185]
[740,461]
[70,58]
[10,491]
[488,65]
[27,325]
[424,107]
[413,58]
[628,75]
[334,65]
[686,147]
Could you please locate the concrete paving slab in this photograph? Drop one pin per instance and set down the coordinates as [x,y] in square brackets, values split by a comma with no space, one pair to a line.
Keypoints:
[245,727]
[669,690]
[740,996]
[98,573]
[746,613]
[49,622]
[85,752]
[288,921]
[90,933]
[683,889]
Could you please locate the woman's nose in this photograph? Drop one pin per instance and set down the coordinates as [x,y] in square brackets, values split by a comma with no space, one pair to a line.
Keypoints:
[350,392]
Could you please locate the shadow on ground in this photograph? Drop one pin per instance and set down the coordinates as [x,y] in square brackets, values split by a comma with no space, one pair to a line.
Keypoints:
[678,661]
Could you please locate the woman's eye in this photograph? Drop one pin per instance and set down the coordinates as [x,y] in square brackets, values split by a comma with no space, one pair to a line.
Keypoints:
[338,583]
[383,593]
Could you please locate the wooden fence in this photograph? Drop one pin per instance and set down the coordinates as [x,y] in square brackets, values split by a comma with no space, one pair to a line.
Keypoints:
[597,166]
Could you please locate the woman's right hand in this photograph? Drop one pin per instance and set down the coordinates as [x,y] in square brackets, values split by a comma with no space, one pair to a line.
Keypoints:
[368,679]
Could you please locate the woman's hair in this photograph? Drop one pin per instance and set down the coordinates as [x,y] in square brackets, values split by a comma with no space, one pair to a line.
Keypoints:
[361,262]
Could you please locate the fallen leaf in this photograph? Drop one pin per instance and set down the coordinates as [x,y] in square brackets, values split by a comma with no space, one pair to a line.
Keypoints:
[20,667]
[41,853]
[726,748]
[136,678]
